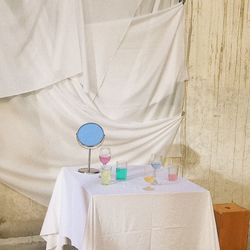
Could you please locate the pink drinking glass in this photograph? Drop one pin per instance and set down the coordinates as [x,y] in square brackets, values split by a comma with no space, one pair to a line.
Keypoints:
[105,155]
[173,173]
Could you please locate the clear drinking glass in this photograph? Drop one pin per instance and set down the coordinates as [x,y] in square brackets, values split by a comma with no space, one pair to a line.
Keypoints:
[156,164]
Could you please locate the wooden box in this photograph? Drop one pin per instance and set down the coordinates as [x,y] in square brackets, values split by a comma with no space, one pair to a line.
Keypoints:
[232,225]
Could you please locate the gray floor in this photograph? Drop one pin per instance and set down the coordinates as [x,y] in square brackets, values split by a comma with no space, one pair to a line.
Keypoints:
[35,243]
[26,243]
[23,243]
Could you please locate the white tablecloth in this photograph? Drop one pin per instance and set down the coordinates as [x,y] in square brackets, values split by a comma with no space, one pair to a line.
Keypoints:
[123,216]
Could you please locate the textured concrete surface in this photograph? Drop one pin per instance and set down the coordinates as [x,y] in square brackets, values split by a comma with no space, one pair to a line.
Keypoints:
[216,131]
[19,215]
[216,138]
[26,243]
[23,243]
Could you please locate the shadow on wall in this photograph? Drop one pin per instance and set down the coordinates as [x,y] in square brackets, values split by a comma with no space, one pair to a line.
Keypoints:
[191,158]
[188,159]
[222,184]
[223,189]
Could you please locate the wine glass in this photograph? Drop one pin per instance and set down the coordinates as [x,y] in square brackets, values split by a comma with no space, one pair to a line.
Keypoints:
[156,163]
[149,177]
[105,155]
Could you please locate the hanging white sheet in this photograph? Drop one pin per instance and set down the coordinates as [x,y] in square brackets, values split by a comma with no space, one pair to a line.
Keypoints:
[131,63]
[39,44]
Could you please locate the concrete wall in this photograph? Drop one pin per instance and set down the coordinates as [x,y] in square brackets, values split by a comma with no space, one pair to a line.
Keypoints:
[19,215]
[216,131]
[217,125]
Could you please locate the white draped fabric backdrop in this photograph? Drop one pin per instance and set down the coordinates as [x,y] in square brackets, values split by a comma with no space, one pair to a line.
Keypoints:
[64,63]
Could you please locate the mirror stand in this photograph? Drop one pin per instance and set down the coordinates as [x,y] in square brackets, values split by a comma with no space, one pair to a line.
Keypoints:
[89,170]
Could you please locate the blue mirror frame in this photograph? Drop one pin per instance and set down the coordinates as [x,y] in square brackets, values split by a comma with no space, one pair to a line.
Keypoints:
[90,135]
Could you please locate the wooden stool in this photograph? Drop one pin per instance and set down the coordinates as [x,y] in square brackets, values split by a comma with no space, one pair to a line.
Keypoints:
[232,225]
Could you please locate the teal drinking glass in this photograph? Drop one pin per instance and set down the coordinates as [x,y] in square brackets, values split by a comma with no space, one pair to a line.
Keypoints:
[121,170]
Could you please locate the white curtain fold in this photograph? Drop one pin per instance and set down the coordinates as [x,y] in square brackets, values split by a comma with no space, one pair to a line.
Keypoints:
[146,70]
[39,44]
[120,66]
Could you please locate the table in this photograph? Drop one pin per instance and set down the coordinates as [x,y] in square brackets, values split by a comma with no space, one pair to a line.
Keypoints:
[124,216]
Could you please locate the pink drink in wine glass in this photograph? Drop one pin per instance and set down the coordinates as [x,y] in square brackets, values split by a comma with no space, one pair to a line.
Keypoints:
[105,155]
[104,159]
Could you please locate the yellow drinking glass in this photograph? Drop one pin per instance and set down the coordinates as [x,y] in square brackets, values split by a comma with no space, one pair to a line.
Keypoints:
[149,177]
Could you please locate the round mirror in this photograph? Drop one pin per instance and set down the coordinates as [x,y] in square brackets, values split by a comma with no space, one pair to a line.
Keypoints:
[90,135]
